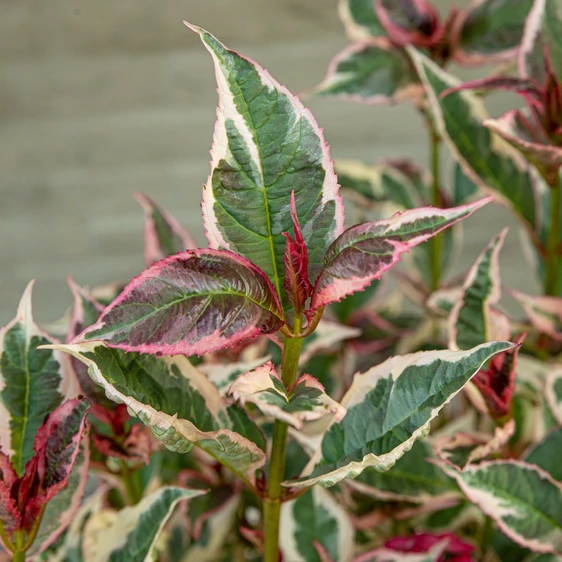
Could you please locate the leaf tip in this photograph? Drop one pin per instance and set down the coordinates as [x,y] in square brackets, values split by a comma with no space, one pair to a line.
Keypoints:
[24,313]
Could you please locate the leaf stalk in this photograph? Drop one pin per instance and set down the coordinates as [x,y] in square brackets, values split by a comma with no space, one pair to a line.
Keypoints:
[553,241]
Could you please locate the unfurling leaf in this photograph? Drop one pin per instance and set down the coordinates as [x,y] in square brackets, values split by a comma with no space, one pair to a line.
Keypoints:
[544,313]
[177,402]
[485,158]
[388,408]
[491,30]
[296,283]
[373,71]
[191,303]
[473,320]
[306,400]
[364,252]
[163,235]
[130,535]
[521,498]
[265,146]
[315,517]
[33,382]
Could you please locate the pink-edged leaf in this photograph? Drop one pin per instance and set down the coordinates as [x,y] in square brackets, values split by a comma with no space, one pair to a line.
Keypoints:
[553,392]
[297,284]
[10,516]
[542,32]
[497,382]
[373,71]
[163,234]
[191,303]
[528,138]
[472,320]
[408,22]
[385,554]
[521,498]
[527,88]
[490,31]
[266,144]
[306,400]
[544,313]
[363,252]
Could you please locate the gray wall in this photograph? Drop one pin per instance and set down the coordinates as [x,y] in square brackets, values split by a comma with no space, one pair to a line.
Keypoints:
[100,98]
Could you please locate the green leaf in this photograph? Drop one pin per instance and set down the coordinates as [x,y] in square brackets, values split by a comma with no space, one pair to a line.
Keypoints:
[306,400]
[492,30]
[130,535]
[163,235]
[544,313]
[472,320]
[33,383]
[359,19]
[485,158]
[177,402]
[412,478]
[548,454]
[388,408]
[191,303]
[266,144]
[521,498]
[373,71]
[463,187]
[315,517]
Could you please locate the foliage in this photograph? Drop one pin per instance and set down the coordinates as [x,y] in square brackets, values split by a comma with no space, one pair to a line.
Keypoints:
[273,394]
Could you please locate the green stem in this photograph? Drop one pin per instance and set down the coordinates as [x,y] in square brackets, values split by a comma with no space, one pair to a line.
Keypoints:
[18,556]
[132,483]
[487,534]
[273,497]
[553,241]
[436,201]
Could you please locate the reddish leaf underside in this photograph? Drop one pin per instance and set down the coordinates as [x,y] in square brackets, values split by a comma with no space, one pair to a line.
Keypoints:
[191,303]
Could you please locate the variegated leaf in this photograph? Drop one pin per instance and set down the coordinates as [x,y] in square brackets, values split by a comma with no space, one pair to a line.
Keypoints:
[191,303]
[472,320]
[372,71]
[364,252]
[521,498]
[315,517]
[222,375]
[130,535]
[163,235]
[543,29]
[33,382]
[388,408]
[411,479]
[544,313]
[463,187]
[328,336]
[486,159]
[462,449]
[306,400]
[491,30]
[553,392]
[520,131]
[266,145]
[359,19]
[383,554]
[177,402]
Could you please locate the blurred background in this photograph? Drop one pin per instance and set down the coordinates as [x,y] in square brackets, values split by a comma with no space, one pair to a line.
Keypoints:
[99,99]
